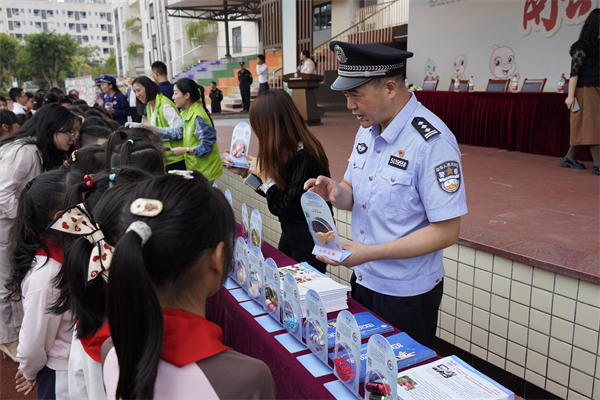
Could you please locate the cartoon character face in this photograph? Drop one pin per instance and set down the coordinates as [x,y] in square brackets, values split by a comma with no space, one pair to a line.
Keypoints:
[502,62]
[430,68]
[460,64]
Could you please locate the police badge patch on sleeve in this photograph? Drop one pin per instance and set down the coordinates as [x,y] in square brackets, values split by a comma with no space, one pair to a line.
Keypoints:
[361,148]
[448,176]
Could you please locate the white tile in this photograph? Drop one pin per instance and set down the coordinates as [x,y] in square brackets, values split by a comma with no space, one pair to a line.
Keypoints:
[466,255]
[447,322]
[465,273]
[534,378]
[516,353]
[556,389]
[501,286]
[517,333]
[464,311]
[335,270]
[463,329]
[519,313]
[497,345]
[496,360]
[446,336]
[502,266]
[596,389]
[583,360]
[479,337]
[451,252]
[498,326]
[581,382]
[598,367]
[588,316]
[543,279]
[465,293]
[539,321]
[483,280]
[451,268]
[541,300]
[538,342]
[481,318]
[449,304]
[522,272]
[536,362]
[450,287]
[573,395]
[589,293]
[481,299]
[558,372]
[479,352]
[484,260]
[586,339]
[560,351]
[566,286]
[500,306]
[520,292]
[564,308]
[515,369]
[562,330]
[462,344]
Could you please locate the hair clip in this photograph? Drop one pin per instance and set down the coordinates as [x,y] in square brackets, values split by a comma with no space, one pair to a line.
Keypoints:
[28,186]
[73,157]
[146,207]
[112,177]
[130,141]
[88,180]
[141,229]
[185,174]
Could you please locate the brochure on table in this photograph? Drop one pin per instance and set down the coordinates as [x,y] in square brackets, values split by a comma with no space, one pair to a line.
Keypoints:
[291,313]
[272,287]
[381,371]
[245,223]
[228,197]
[368,324]
[449,378]
[346,352]
[240,143]
[255,229]
[315,326]
[321,226]
[254,283]
[240,271]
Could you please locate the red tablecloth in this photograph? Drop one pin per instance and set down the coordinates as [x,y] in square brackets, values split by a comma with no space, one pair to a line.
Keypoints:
[536,123]
[244,334]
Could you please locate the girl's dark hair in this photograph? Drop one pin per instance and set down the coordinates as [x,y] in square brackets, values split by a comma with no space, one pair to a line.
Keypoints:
[113,125]
[75,110]
[91,134]
[29,95]
[306,54]
[201,90]
[49,98]
[41,199]
[81,103]
[22,118]
[152,88]
[279,127]
[40,131]
[180,240]
[65,99]
[38,99]
[57,91]
[92,113]
[96,120]
[589,31]
[7,117]
[105,202]
[139,154]
[187,85]
[88,160]
[102,111]
[135,134]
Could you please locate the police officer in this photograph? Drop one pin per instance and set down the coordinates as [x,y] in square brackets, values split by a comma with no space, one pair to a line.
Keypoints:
[405,187]
[112,99]
[245,79]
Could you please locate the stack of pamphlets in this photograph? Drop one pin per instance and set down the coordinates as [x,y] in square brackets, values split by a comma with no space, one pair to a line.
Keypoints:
[333,294]
[368,324]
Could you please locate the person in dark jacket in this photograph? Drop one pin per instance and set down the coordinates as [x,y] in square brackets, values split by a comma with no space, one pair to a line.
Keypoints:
[112,100]
[245,79]
[216,95]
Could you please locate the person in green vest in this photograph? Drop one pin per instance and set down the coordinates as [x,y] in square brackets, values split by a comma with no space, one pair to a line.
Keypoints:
[195,134]
[161,112]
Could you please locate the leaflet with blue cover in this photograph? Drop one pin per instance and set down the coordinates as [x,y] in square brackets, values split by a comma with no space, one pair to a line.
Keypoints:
[407,351]
[368,324]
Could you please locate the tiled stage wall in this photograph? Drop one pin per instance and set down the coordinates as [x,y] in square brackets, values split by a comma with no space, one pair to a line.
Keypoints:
[538,325]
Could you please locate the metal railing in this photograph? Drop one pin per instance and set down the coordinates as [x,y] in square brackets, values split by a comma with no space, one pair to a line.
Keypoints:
[277,78]
[376,26]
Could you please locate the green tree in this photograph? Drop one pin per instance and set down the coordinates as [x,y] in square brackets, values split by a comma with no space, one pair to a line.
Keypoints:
[46,54]
[198,31]
[9,48]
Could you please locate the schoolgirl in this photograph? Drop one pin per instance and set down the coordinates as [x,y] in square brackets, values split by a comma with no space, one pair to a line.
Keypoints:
[8,123]
[136,134]
[161,110]
[44,339]
[89,160]
[139,154]
[193,142]
[163,346]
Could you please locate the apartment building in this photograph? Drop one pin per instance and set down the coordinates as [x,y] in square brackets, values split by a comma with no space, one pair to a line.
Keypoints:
[90,22]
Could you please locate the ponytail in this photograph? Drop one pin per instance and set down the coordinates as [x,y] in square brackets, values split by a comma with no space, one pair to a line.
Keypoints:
[139,154]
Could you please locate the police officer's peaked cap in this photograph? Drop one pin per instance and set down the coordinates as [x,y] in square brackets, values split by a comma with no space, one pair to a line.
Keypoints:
[360,63]
[105,78]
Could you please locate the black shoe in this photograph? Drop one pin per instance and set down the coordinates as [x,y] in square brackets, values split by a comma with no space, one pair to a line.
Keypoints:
[566,163]
[595,170]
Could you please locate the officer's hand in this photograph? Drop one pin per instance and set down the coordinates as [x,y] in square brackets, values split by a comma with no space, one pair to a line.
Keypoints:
[359,256]
[325,187]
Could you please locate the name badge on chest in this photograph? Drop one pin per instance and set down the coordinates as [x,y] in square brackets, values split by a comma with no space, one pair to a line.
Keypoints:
[398,162]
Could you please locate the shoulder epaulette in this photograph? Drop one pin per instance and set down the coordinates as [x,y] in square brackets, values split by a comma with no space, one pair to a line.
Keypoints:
[425,129]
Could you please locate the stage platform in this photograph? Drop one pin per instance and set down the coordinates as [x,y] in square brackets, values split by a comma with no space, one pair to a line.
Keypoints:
[521,206]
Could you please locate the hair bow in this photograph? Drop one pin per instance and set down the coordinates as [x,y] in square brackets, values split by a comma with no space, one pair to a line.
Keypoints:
[77,221]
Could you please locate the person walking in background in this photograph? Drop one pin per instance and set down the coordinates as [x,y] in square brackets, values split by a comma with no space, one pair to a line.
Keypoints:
[263,74]
[19,98]
[216,95]
[308,64]
[113,100]
[245,79]
[584,90]
[159,74]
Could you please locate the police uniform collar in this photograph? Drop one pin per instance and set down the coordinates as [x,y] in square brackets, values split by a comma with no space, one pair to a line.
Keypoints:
[360,63]
[395,127]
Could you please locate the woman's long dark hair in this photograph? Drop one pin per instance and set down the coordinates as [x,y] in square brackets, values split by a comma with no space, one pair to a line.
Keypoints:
[42,198]
[279,127]
[105,201]
[180,240]
[40,131]
[151,88]
[306,53]
[589,31]
[124,134]
[186,85]
[139,154]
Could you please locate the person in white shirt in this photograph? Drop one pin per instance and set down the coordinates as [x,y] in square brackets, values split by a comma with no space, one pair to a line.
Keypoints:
[19,98]
[160,110]
[263,74]
[308,65]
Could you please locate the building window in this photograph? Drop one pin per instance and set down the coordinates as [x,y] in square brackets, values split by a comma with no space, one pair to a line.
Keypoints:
[15,11]
[73,37]
[36,13]
[154,44]
[85,38]
[96,25]
[70,14]
[104,27]
[38,25]
[30,23]
[51,25]
[82,14]
[151,11]
[322,17]
[1,21]
[29,10]
[104,39]
[105,51]
[18,36]
[50,13]
[236,33]
[17,24]
[71,26]
[102,15]
[84,26]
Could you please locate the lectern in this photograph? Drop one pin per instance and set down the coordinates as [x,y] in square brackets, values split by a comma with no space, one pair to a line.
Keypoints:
[303,94]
